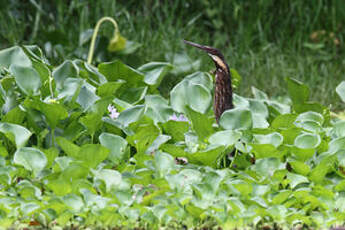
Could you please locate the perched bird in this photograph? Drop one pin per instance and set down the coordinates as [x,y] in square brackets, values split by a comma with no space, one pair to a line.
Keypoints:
[223,87]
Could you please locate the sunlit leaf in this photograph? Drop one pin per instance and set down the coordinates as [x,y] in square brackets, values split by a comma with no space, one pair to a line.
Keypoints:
[16,133]
[116,144]
[31,159]
[236,119]
[27,79]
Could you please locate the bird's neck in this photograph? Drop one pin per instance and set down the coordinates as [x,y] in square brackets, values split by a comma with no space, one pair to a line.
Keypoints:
[223,92]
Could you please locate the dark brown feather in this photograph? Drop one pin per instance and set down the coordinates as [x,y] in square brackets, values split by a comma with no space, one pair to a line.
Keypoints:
[223,87]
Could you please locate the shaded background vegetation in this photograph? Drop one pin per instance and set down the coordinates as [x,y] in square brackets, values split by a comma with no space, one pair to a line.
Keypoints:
[264,40]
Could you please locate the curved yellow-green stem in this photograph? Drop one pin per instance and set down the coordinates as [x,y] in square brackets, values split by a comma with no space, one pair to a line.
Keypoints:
[94,35]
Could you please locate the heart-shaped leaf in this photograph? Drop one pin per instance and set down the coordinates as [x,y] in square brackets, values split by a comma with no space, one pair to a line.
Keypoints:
[27,78]
[31,159]
[16,133]
[237,118]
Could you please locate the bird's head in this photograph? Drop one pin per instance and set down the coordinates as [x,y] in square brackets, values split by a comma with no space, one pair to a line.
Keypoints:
[214,53]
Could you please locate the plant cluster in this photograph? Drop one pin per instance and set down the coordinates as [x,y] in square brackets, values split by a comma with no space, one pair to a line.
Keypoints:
[99,146]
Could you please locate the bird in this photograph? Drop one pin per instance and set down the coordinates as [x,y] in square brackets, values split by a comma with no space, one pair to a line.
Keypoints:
[223,87]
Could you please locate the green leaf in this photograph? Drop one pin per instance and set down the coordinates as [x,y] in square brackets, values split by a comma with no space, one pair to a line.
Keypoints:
[66,70]
[310,116]
[300,167]
[26,78]
[15,133]
[130,47]
[341,90]
[109,88]
[92,154]
[284,121]
[87,96]
[235,78]
[274,139]
[265,151]
[31,159]
[60,187]
[164,163]
[14,55]
[182,63]
[298,92]
[51,154]
[201,123]
[70,89]
[227,137]
[155,71]
[157,108]
[116,70]
[193,92]
[111,178]
[296,179]
[258,94]
[133,95]
[237,118]
[54,113]
[117,146]
[208,157]
[74,171]
[74,202]
[15,116]
[68,147]
[307,141]
[176,129]
[267,166]
[318,173]
[144,136]
[161,139]
[336,144]
[131,115]
[92,122]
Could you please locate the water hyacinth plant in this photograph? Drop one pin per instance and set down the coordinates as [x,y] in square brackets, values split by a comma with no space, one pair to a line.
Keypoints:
[78,162]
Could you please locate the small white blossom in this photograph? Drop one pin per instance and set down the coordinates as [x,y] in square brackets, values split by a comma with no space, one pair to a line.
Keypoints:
[179,118]
[113,112]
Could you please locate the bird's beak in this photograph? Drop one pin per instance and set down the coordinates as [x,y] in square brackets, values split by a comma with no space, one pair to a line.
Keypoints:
[205,48]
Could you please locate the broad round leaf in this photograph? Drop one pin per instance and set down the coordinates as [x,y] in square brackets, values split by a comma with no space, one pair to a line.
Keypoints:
[198,97]
[237,118]
[92,154]
[66,70]
[310,116]
[131,115]
[116,144]
[30,158]
[155,72]
[192,91]
[164,163]
[27,78]
[112,179]
[274,139]
[307,141]
[16,133]
[158,108]
[14,55]
[227,137]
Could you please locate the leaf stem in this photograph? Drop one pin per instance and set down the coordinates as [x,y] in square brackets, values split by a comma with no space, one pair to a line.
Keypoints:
[50,85]
[232,162]
[95,32]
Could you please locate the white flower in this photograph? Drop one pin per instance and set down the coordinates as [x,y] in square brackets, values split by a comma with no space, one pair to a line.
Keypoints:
[180,118]
[113,112]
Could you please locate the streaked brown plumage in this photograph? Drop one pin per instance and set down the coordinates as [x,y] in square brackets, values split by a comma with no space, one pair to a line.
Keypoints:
[223,87]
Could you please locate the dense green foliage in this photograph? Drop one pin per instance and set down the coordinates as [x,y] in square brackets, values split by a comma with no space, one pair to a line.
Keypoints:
[99,146]
[266,41]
